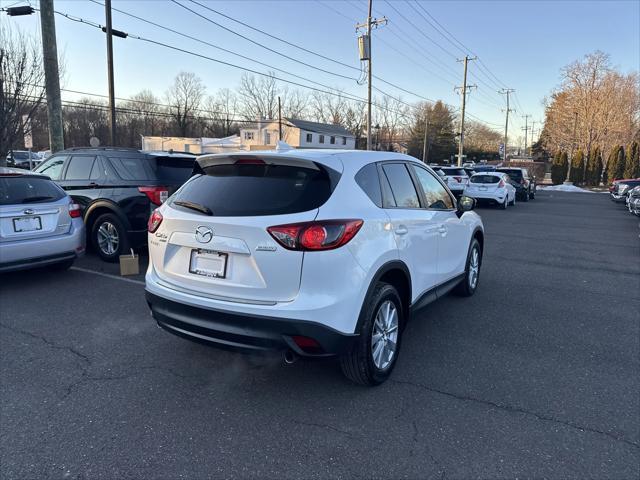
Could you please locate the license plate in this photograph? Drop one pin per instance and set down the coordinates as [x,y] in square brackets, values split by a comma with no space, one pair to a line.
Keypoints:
[27,224]
[208,263]
[483,188]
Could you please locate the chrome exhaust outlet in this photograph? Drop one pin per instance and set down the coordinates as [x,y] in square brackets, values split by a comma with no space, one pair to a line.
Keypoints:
[290,357]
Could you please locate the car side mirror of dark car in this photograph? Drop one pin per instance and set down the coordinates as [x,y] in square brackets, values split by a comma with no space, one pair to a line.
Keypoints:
[465,204]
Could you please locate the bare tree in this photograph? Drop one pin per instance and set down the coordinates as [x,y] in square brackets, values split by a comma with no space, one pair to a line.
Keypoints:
[394,116]
[185,98]
[258,97]
[21,86]
[294,103]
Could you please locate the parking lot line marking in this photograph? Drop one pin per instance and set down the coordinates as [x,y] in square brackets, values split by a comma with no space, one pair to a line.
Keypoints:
[108,275]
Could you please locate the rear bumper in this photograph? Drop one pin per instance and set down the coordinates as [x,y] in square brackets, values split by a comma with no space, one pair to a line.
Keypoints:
[242,331]
[486,197]
[38,252]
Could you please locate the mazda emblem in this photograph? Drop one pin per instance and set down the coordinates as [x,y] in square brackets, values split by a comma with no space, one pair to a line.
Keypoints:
[204,234]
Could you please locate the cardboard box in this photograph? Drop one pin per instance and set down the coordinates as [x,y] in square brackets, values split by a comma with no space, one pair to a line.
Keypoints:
[129,264]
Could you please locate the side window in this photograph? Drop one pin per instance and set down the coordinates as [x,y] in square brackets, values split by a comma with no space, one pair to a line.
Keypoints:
[52,167]
[435,195]
[79,167]
[404,192]
[367,179]
[130,168]
[96,171]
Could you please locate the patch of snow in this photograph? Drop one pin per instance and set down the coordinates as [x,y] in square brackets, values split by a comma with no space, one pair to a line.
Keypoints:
[565,188]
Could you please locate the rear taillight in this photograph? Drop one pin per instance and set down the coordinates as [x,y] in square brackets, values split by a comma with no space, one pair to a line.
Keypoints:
[74,210]
[501,184]
[154,221]
[458,179]
[320,235]
[157,195]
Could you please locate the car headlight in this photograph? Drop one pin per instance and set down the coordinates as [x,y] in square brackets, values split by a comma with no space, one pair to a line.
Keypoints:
[623,188]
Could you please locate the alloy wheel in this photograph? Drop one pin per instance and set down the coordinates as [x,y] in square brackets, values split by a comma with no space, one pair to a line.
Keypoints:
[384,340]
[108,238]
[474,268]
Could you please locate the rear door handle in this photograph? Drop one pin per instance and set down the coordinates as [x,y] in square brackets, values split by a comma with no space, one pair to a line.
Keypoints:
[401,230]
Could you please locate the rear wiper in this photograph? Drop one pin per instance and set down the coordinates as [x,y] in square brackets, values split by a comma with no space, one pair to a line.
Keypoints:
[194,206]
[37,199]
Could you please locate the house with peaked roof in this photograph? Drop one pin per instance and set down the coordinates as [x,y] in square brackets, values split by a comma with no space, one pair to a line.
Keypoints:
[298,134]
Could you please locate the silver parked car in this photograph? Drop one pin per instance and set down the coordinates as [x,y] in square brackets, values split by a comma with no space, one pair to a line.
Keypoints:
[39,223]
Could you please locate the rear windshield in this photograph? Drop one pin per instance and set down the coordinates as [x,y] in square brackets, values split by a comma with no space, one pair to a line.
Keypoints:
[231,190]
[485,179]
[454,171]
[19,190]
[514,174]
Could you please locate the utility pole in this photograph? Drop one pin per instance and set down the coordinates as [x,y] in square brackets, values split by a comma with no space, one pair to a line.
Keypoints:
[464,88]
[573,146]
[424,145]
[533,124]
[506,91]
[364,43]
[526,131]
[51,75]
[279,120]
[112,100]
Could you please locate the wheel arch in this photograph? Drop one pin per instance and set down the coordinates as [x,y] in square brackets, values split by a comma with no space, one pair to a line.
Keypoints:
[101,207]
[478,234]
[395,273]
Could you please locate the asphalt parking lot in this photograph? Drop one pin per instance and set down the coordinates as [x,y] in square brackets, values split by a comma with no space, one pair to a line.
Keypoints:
[537,375]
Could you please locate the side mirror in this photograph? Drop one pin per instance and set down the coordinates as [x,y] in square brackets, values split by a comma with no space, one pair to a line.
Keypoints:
[465,204]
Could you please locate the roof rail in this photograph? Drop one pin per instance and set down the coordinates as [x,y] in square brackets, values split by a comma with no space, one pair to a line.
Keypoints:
[123,149]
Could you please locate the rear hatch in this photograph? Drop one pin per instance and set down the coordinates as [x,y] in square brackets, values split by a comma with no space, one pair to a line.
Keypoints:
[32,207]
[484,183]
[213,239]
[456,177]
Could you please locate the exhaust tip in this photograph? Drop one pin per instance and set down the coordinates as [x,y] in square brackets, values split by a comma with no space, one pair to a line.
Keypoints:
[290,357]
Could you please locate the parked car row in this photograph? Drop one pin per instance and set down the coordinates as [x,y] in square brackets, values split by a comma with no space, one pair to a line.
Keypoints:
[626,191]
[497,186]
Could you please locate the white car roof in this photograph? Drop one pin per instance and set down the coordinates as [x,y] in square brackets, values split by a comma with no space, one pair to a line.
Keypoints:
[492,173]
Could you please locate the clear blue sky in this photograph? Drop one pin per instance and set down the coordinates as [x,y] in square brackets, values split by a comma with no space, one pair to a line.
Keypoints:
[524,44]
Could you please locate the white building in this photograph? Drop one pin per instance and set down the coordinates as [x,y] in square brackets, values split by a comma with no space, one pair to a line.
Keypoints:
[298,134]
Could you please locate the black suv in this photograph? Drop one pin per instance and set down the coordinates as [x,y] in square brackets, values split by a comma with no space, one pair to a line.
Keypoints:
[117,188]
[525,185]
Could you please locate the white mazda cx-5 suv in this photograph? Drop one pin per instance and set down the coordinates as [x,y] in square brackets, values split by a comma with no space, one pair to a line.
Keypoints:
[309,252]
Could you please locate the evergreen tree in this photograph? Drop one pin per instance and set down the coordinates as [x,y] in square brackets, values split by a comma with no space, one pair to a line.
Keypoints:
[611,165]
[591,172]
[618,171]
[559,168]
[577,167]
[599,168]
[632,165]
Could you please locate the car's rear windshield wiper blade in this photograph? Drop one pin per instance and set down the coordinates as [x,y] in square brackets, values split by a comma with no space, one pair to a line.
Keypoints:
[39,198]
[194,206]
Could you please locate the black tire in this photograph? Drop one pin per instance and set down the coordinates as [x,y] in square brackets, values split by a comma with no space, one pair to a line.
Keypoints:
[525,197]
[503,205]
[109,255]
[467,287]
[358,363]
[62,266]
[532,195]
[513,202]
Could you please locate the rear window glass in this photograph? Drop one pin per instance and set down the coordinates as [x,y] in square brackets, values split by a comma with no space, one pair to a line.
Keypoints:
[172,169]
[22,190]
[231,190]
[131,168]
[80,167]
[404,192]
[454,171]
[485,179]
[368,180]
[515,174]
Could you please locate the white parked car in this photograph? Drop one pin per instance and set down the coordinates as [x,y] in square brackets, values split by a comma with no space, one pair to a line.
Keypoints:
[492,187]
[39,223]
[309,252]
[457,179]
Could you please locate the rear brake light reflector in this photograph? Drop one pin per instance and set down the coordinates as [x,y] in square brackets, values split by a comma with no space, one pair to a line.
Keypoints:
[307,344]
[154,221]
[157,195]
[74,210]
[319,235]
